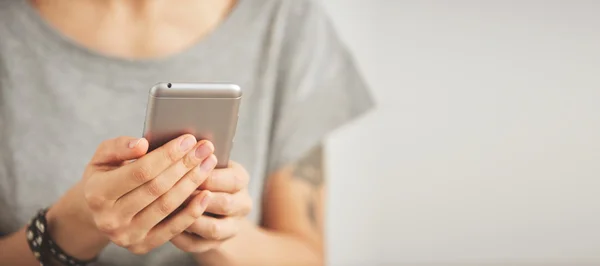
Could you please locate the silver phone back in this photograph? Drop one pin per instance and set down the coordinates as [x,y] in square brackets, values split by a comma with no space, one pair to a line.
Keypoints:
[208,111]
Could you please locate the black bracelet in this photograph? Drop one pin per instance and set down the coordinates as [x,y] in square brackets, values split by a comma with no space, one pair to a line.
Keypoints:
[42,246]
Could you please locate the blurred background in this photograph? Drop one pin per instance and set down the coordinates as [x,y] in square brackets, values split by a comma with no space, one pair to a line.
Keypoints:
[484,149]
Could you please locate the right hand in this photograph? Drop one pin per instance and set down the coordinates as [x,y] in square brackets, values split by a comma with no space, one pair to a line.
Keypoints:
[132,203]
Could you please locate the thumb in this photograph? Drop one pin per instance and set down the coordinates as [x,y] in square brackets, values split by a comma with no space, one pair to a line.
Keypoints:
[118,150]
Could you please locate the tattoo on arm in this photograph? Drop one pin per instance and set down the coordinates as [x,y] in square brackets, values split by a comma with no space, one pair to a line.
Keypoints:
[310,170]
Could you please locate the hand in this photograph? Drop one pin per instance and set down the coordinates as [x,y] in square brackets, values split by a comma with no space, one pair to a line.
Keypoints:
[127,201]
[229,204]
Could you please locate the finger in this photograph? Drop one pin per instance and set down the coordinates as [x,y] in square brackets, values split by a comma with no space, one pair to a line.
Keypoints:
[229,180]
[212,228]
[196,192]
[119,150]
[136,200]
[238,204]
[133,175]
[193,244]
[175,225]
[170,201]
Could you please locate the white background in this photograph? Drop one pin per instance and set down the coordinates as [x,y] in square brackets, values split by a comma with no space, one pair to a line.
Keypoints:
[485,149]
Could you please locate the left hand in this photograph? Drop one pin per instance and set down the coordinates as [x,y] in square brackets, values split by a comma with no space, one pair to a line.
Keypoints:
[229,203]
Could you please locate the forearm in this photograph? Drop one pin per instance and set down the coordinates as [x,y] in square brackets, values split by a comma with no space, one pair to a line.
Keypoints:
[15,250]
[257,246]
[65,228]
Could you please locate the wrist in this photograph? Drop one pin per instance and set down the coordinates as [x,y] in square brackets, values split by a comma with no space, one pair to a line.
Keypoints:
[71,228]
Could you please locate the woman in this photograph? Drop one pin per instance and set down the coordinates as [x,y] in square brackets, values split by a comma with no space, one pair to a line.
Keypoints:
[74,76]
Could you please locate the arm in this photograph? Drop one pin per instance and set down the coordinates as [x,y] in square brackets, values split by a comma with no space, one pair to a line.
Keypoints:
[293,214]
[19,251]
[295,200]
[75,238]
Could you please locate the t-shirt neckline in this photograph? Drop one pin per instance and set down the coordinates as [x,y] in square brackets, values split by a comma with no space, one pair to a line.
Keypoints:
[222,33]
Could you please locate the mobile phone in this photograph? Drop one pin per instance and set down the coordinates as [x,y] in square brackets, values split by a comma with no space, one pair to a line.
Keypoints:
[209,111]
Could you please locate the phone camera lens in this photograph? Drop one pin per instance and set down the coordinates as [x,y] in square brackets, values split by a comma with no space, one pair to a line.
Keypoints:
[169,85]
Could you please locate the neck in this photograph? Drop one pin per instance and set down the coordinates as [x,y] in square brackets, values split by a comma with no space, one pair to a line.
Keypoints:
[135,28]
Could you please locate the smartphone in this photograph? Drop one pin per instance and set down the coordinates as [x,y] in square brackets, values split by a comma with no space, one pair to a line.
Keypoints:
[209,111]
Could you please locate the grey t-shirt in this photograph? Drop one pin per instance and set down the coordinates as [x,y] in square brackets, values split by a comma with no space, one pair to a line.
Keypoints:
[59,100]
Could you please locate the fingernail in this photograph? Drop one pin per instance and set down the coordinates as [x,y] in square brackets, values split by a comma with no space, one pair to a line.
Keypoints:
[204,150]
[134,143]
[209,163]
[188,143]
[204,202]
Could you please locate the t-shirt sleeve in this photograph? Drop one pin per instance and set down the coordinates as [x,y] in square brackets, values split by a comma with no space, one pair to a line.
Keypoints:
[319,88]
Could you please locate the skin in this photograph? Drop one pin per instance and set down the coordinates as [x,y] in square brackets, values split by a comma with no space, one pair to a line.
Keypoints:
[161,196]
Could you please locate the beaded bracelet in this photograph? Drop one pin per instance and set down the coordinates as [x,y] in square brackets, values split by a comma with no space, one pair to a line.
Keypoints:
[42,246]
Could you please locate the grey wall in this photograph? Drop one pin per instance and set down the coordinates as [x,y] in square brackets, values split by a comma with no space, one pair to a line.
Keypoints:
[486,145]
